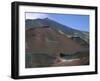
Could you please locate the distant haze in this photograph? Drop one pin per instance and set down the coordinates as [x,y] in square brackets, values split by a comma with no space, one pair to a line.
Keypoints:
[79,22]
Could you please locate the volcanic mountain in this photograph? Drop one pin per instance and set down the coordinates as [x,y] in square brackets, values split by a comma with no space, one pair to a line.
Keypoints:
[68,31]
[48,43]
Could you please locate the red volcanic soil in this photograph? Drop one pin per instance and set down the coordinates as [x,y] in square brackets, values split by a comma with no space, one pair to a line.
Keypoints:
[45,40]
[49,40]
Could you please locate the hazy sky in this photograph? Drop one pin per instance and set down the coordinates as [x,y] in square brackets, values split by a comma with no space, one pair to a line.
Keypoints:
[80,22]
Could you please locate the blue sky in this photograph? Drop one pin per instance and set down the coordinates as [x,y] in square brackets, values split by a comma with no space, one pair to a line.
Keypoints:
[79,22]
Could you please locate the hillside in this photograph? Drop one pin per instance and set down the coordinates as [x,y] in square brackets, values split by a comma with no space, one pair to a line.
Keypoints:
[48,44]
[57,26]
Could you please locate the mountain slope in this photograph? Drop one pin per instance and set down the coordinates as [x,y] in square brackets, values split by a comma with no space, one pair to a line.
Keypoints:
[49,43]
[58,27]
[45,46]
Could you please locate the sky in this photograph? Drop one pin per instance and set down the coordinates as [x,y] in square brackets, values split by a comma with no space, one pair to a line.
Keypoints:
[79,22]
